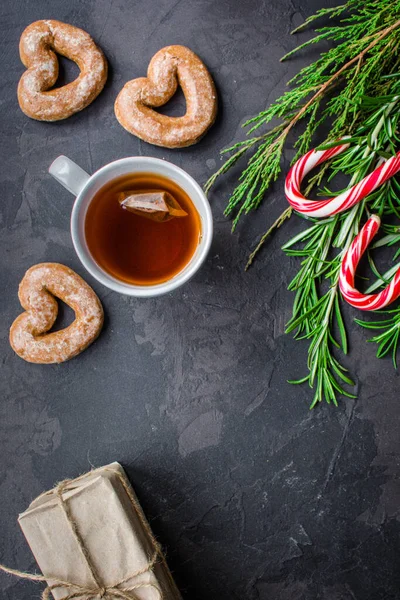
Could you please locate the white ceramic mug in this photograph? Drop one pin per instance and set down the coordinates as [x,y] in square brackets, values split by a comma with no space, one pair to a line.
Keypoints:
[85,186]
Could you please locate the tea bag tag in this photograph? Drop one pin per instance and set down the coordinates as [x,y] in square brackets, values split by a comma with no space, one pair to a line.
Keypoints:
[157,206]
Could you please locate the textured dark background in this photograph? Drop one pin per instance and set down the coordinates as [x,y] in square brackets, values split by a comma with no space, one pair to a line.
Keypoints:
[254,496]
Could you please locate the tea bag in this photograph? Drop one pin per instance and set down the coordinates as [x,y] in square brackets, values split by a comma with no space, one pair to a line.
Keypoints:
[156,205]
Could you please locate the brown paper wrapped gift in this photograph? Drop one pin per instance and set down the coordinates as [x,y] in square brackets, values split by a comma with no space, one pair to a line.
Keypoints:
[91,534]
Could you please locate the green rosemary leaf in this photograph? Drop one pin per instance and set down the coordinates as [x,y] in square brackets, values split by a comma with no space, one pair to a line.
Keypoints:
[370,324]
[341,326]
[299,381]
[347,140]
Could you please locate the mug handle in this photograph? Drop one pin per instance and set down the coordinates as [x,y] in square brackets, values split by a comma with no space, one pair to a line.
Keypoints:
[69,174]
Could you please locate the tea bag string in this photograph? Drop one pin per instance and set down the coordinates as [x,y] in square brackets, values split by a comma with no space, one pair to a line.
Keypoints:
[117,590]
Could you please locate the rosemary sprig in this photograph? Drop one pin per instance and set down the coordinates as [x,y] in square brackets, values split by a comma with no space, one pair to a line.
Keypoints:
[316,314]
[359,83]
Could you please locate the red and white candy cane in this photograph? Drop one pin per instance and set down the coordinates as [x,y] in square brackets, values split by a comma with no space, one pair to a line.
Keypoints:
[348,271]
[338,204]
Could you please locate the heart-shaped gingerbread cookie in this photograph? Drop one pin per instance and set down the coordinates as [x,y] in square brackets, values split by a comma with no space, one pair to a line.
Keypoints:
[37,291]
[170,67]
[36,95]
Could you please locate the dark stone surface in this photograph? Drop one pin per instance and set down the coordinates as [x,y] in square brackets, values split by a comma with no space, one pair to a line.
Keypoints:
[254,496]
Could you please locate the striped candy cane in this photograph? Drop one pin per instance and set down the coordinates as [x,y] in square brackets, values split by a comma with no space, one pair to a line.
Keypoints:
[338,204]
[348,270]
